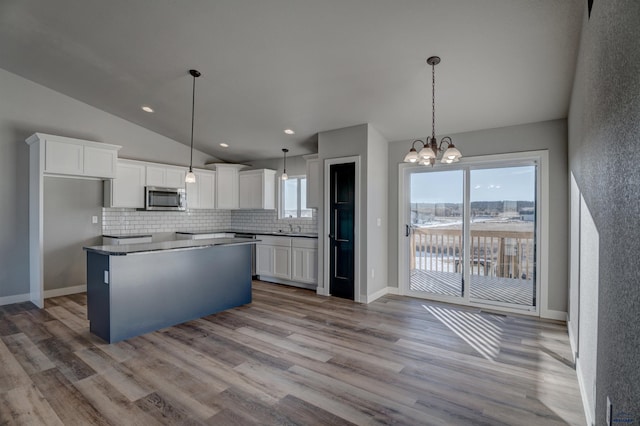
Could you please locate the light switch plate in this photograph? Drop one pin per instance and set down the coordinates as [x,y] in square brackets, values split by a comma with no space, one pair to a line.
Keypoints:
[94,219]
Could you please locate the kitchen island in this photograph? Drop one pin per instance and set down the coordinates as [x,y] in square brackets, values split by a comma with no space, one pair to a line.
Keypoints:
[134,289]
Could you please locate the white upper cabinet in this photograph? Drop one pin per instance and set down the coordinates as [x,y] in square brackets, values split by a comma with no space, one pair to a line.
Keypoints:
[76,157]
[165,176]
[64,158]
[201,194]
[227,186]
[127,189]
[100,162]
[314,185]
[257,189]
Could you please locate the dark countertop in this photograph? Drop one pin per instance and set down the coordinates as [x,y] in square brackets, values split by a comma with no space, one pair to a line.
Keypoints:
[127,236]
[281,234]
[126,249]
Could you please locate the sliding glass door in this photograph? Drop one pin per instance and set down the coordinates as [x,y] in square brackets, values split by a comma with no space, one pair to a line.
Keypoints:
[435,230]
[471,233]
[502,242]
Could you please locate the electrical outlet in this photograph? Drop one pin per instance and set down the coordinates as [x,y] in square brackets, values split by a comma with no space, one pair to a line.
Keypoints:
[379,222]
[94,219]
[373,273]
[609,412]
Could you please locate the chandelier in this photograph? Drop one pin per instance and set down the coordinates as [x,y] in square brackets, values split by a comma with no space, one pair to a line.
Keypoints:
[431,149]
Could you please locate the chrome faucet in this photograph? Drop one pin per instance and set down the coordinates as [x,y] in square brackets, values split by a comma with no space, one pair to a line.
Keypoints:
[290,228]
[299,228]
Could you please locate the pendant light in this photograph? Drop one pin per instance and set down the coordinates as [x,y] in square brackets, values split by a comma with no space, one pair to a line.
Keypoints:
[191,177]
[430,148]
[284,170]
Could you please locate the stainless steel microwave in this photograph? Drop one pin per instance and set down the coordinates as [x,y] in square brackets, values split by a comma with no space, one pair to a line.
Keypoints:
[158,198]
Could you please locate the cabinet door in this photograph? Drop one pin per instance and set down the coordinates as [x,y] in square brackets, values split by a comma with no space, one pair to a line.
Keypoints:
[128,186]
[227,188]
[64,158]
[174,178]
[193,193]
[314,188]
[250,191]
[264,260]
[304,265]
[100,162]
[206,190]
[282,262]
[156,176]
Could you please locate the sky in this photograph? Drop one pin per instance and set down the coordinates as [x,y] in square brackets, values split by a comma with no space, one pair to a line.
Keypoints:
[497,184]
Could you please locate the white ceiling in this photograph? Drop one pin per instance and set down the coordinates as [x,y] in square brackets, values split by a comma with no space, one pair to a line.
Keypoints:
[309,65]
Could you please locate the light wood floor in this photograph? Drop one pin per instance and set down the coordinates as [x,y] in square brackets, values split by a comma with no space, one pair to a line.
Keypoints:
[290,357]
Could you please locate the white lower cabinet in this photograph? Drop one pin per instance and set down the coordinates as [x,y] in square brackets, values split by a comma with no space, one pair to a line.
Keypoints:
[287,260]
[282,262]
[304,265]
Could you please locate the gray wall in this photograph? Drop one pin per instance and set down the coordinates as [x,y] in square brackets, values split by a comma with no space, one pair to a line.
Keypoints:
[69,205]
[364,141]
[377,211]
[26,108]
[604,153]
[296,166]
[350,141]
[550,135]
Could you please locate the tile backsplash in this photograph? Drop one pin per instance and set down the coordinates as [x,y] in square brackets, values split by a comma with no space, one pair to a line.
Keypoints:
[118,221]
[267,220]
[131,221]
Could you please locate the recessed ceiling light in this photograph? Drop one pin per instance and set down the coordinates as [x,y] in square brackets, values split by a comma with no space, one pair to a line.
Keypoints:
[147,108]
[289,131]
[224,145]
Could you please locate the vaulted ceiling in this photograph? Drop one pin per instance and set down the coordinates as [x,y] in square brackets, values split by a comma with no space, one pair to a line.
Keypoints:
[269,65]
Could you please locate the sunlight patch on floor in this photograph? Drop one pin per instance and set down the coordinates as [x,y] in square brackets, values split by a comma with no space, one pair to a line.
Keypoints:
[478,332]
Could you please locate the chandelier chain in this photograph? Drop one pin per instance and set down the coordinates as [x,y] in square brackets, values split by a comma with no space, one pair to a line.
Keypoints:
[433,101]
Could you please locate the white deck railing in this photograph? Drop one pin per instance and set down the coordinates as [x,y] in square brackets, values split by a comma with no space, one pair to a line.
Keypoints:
[508,254]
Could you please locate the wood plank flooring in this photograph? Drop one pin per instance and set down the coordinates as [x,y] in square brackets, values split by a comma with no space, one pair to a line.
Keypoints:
[290,357]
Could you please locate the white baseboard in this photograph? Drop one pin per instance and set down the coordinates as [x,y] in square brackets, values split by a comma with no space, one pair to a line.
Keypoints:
[554,315]
[18,298]
[572,341]
[583,394]
[65,291]
[378,294]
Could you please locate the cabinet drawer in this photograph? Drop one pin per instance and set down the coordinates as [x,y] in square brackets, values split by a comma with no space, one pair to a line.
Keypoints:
[274,241]
[311,243]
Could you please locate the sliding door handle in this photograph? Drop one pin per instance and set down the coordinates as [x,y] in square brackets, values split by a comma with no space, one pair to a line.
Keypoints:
[407,230]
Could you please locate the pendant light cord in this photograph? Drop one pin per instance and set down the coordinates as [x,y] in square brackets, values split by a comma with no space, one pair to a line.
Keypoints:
[193,109]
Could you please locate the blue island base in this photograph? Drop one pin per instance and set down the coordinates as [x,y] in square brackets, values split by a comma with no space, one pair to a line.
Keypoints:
[129,295]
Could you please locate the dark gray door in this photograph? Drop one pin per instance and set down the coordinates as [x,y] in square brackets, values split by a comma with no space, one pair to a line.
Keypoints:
[341,231]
